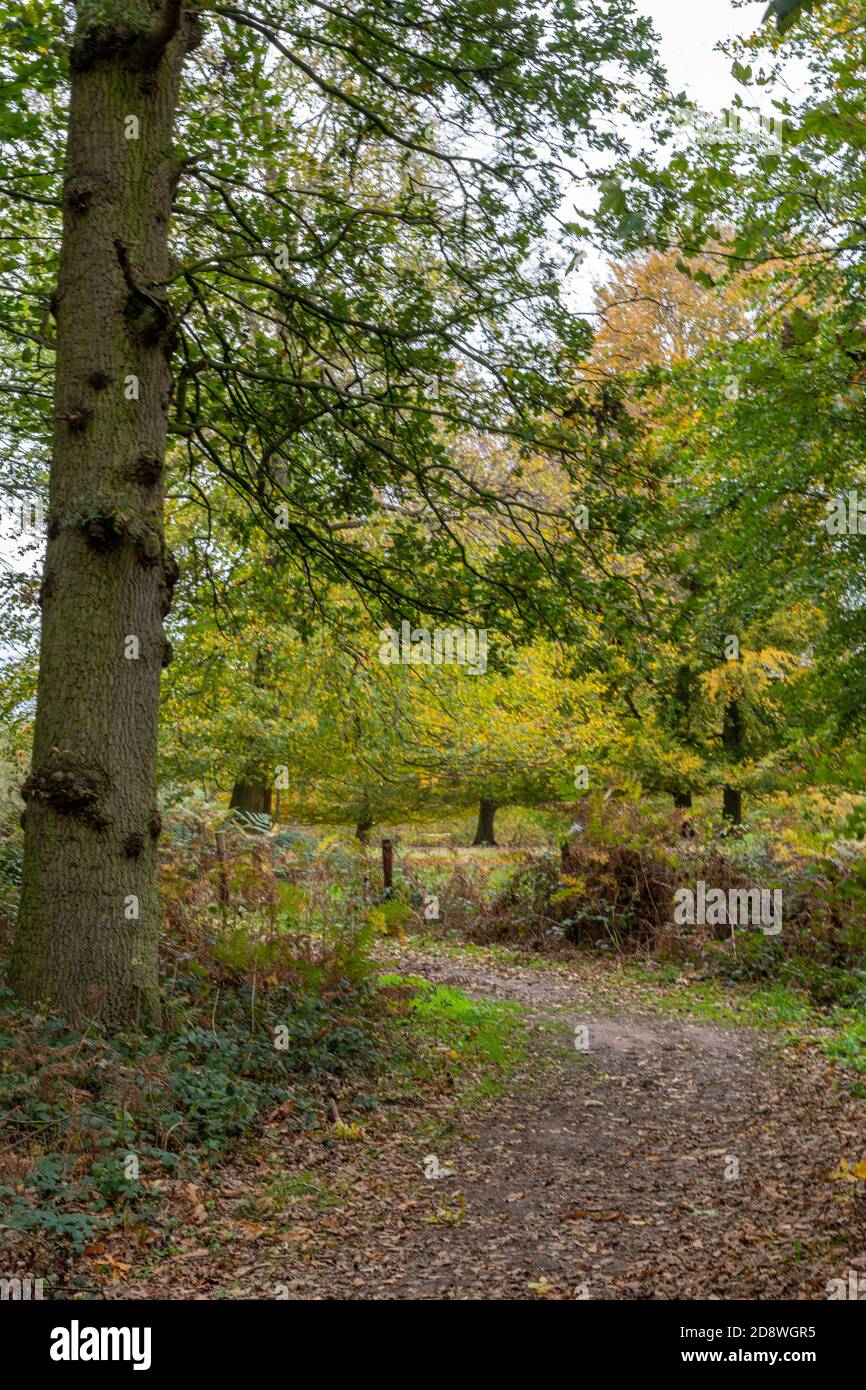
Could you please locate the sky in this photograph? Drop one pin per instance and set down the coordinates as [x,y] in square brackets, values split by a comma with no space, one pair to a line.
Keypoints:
[689,30]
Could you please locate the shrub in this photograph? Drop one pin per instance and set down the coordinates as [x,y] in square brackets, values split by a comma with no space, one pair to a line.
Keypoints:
[77,1105]
[613,888]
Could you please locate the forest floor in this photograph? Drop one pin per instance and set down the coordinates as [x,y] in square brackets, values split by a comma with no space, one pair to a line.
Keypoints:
[671,1158]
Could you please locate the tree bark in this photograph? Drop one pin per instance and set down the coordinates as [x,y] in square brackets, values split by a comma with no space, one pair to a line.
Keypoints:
[678,718]
[253,791]
[732,742]
[88,929]
[387,866]
[484,829]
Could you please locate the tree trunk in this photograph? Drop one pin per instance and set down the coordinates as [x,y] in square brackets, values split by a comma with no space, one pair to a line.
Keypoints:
[253,790]
[362,831]
[88,927]
[484,829]
[678,713]
[250,793]
[732,742]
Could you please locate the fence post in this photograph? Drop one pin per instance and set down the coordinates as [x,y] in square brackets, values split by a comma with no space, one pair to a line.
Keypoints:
[222,874]
[387,865]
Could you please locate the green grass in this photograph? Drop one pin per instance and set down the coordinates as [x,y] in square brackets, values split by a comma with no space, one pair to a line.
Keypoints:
[840,1033]
[492,951]
[490,1032]
[475,1044]
[664,987]
[848,1047]
[760,1006]
[287,1189]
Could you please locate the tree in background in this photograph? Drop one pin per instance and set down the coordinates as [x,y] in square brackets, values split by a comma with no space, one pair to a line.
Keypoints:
[708,682]
[287,340]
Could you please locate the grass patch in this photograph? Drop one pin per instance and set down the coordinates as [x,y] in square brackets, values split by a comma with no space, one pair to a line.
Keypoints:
[494,952]
[769,1006]
[447,1039]
[840,1033]
[847,1046]
[285,1192]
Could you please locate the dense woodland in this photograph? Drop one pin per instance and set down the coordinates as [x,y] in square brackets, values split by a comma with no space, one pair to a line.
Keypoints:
[375,610]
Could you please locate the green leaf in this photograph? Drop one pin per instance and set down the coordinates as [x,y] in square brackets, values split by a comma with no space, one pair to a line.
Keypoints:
[786,11]
[803,326]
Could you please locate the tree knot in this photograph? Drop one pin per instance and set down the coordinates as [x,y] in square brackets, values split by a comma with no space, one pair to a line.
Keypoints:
[77,194]
[71,785]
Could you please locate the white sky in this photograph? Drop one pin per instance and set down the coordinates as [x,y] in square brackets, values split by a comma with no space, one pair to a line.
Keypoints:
[689,31]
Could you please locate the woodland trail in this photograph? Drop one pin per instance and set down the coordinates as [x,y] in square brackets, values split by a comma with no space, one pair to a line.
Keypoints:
[597,1174]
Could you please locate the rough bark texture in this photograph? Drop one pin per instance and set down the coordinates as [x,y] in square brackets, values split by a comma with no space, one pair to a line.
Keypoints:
[732,742]
[88,929]
[484,829]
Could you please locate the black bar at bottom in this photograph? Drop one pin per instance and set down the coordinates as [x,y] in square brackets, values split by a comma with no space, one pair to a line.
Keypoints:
[90,1339]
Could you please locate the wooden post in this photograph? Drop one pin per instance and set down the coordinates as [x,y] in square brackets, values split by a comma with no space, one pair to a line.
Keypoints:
[222,875]
[387,865]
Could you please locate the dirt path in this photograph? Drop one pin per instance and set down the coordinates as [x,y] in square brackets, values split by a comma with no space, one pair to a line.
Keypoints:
[668,1160]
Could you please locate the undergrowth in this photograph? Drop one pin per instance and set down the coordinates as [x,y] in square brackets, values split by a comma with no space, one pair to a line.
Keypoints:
[92,1125]
[473,1045]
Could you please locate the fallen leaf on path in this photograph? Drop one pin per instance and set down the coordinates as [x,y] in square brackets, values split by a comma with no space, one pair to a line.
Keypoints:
[845,1173]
